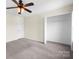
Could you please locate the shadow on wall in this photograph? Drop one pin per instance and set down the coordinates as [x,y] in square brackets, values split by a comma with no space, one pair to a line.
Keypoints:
[59,29]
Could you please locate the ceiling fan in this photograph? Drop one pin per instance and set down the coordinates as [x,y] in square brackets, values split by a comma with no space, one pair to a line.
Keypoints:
[21,6]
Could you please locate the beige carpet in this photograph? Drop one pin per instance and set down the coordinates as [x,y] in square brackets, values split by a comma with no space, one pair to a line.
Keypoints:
[29,49]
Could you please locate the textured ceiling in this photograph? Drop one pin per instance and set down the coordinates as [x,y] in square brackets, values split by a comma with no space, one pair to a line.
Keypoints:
[40,5]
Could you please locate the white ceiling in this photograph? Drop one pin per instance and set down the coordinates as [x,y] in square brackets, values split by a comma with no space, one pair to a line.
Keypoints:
[40,5]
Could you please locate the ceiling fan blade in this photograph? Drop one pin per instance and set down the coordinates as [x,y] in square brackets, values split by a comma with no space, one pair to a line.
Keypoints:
[29,4]
[15,2]
[27,10]
[11,7]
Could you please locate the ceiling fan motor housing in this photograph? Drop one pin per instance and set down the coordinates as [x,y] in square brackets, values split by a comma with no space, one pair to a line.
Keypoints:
[20,1]
[20,4]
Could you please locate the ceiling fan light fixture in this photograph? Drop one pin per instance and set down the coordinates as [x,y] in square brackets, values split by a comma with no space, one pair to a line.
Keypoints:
[18,9]
[21,7]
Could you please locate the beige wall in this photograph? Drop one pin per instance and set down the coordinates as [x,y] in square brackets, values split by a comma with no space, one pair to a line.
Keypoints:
[34,27]
[14,27]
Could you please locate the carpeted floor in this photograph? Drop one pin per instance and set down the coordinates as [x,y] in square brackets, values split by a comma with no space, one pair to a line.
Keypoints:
[29,49]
